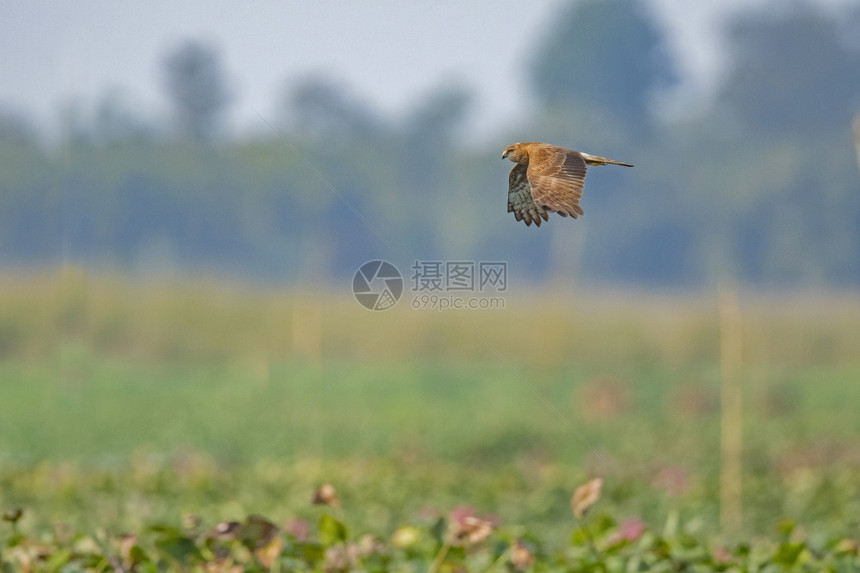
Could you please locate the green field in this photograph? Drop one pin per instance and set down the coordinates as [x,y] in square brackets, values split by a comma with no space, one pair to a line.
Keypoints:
[132,404]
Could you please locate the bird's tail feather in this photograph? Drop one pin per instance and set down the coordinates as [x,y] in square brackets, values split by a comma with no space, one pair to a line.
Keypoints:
[597,160]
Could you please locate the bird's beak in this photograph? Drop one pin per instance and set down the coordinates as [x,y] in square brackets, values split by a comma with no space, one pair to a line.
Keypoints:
[504,155]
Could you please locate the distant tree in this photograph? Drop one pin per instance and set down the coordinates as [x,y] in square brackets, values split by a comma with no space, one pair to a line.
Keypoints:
[322,108]
[74,122]
[114,119]
[197,87]
[793,70]
[440,114]
[16,127]
[604,54]
[429,133]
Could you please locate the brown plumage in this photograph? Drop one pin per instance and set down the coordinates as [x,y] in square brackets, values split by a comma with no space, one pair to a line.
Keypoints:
[547,178]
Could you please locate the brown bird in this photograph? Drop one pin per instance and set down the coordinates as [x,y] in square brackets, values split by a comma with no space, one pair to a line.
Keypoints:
[547,178]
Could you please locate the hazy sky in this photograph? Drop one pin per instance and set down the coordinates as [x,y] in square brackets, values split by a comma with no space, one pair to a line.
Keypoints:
[388,52]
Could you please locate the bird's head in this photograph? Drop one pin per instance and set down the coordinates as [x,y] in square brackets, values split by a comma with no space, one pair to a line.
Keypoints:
[513,153]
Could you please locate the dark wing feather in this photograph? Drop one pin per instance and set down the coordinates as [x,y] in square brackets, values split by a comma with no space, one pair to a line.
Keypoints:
[557,177]
[520,201]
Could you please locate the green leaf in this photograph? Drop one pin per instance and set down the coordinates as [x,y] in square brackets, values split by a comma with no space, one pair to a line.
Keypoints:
[331,530]
[165,530]
[788,553]
[137,555]
[602,523]
[785,527]
[438,530]
[661,548]
[309,551]
[180,548]
[579,537]
[15,539]
[58,559]
[687,541]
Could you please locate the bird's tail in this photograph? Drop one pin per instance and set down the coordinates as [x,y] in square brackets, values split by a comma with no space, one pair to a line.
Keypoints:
[597,160]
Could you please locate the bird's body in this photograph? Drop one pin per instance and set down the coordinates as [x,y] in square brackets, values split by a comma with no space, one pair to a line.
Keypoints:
[547,178]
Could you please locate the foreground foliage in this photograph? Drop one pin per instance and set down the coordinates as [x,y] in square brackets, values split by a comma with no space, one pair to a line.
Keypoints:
[461,540]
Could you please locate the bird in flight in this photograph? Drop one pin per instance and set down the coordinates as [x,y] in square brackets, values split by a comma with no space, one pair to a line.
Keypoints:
[547,178]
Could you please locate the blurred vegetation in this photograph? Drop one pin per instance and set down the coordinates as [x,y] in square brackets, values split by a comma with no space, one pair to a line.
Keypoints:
[102,377]
[761,187]
[162,319]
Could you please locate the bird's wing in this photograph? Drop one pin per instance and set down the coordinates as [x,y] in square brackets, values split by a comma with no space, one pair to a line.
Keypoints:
[520,201]
[557,176]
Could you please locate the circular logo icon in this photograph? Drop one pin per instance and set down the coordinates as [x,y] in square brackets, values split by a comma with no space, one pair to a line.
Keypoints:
[377,285]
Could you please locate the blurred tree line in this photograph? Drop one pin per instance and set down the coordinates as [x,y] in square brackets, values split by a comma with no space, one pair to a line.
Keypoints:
[763,187]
